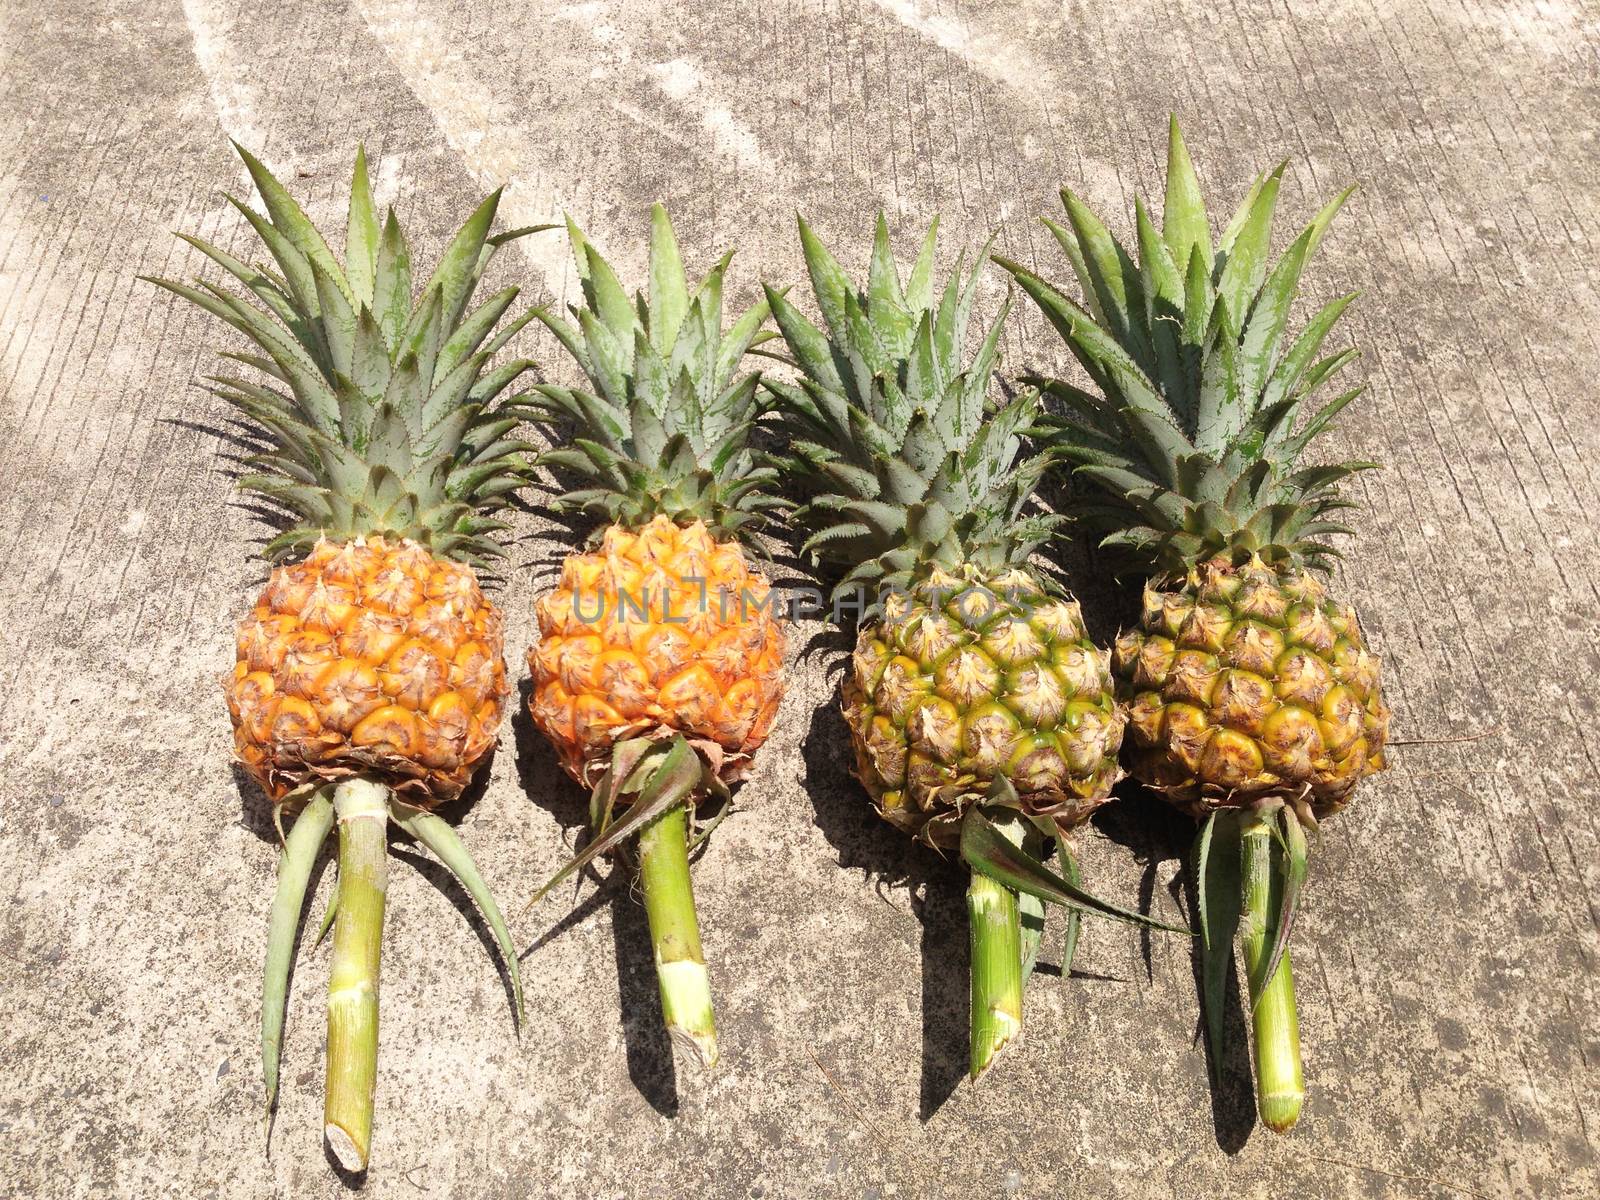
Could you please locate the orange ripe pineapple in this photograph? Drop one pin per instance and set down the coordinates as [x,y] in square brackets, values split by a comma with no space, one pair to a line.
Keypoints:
[657,673]
[369,656]
[607,669]
[370,676]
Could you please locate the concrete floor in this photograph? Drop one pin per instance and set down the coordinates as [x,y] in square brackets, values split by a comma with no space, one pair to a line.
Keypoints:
[1447,950]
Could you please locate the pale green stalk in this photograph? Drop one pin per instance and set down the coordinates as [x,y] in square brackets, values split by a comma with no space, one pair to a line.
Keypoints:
[362,810]
[1280,1086]
[675,934]
[996,932]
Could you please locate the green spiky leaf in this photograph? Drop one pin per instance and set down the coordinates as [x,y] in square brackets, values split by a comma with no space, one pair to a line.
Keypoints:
[984,848]
[1290,860]
[647,777]
[300,851]
[390,401]
[1219,894]
[436,834]
[1196,418]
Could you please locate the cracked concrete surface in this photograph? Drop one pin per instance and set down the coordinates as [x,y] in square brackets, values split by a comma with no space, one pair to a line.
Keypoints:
[1446,954]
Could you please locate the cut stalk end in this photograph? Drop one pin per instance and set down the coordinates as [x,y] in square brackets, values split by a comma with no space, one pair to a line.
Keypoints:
[696,1047]
[998,1030]
[1279,1113]
[686,1009]
[346,1152]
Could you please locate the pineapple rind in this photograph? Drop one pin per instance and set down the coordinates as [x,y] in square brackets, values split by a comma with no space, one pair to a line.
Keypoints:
[1249,684]
[657,632]
[369,657]
[970,678]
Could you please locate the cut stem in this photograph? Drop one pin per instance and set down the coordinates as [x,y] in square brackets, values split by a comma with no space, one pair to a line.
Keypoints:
[996,932]
[675,935]
[1280,1086]
[362,809]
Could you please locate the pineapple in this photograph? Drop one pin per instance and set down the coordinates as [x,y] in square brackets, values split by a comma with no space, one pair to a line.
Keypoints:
[1253,701]
[658,670]
[972,675]
[982,715]
[369,678]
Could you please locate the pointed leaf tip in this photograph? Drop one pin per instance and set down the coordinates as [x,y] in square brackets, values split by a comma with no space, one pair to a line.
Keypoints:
[436,834]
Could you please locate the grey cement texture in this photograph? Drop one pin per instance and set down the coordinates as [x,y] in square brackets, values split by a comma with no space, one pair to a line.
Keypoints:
[1447,952]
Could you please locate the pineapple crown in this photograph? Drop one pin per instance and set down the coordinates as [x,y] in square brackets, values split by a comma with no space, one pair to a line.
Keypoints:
[381,415]
[906,461]
[666,429]
[1192,433]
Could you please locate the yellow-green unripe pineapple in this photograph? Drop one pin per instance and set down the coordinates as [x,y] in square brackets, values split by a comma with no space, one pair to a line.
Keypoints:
[1248,683]
[971,676]
[1253,700]
[982,715]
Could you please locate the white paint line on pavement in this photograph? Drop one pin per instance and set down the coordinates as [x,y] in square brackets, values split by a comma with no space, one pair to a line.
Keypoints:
[230,95]
[476,128]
